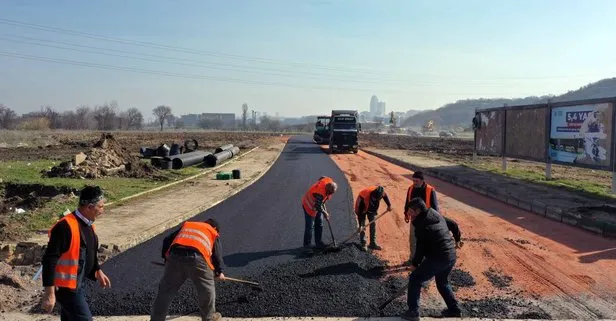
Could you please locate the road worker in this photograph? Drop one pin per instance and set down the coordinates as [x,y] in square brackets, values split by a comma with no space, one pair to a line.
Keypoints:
[435,256]
[427,193]
[193,251]
[367,204]
[313,204]
[71,257]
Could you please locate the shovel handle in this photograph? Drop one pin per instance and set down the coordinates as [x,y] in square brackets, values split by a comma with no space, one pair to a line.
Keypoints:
[360,228]
[330,229]
[393,297]
[226,278]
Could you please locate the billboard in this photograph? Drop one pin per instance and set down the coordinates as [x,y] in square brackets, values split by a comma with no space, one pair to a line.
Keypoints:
[582,135]
[526,133]
[489,136]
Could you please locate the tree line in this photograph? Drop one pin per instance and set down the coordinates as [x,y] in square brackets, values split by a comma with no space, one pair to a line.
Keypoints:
[107,116]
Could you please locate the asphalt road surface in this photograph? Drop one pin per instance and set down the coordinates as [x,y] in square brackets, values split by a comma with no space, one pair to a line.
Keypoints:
[261,226]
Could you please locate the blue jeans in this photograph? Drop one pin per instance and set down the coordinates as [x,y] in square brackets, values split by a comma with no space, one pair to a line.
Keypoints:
[73,305]
[316,224]
[439,269]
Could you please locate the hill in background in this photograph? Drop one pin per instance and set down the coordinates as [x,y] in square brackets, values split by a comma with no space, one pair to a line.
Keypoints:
[461,112]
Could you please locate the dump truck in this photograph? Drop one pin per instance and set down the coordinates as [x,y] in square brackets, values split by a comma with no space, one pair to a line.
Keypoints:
[321,130]
[344,128]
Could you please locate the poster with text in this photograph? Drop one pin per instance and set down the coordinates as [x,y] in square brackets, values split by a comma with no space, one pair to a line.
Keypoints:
[582,134]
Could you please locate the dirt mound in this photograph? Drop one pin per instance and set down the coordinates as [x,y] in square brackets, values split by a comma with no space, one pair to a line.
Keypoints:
[16,288]
[107,157]
[454,146]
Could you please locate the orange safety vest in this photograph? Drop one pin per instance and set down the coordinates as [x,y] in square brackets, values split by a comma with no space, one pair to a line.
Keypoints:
[67,267]
[428,198]
[308,201]
[365,196]
[198,235]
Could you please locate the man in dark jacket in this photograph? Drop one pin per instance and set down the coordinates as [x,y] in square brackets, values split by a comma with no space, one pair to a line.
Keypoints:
[435,256]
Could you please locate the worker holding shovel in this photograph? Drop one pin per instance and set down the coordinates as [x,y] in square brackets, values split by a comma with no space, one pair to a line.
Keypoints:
[313,204]
[367,204]
[191,252]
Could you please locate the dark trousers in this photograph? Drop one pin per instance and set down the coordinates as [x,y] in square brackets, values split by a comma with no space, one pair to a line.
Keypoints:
[178,268]
[316,224]
[73,305]
[439,269]
[361,218]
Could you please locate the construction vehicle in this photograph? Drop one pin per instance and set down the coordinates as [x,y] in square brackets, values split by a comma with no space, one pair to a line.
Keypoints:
[344,128]
[321,130]
[428,127]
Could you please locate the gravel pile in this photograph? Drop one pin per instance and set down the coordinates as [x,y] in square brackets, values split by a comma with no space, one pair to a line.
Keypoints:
[461,279]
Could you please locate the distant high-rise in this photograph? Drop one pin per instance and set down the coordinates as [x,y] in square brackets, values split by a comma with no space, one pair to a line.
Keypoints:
[374,105]
[381,109]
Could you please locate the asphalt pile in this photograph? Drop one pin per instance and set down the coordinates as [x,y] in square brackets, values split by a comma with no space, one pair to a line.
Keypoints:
[461,279]
[345,283]
[503,308]
[497,278]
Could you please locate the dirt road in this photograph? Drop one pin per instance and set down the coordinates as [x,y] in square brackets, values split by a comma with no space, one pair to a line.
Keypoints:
[510,254]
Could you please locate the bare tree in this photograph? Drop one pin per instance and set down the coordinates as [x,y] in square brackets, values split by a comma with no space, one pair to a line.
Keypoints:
[135,118]
[69,120]
[105,116]
[162,112]
[8,117]
[268,123]
[244,114]
[52,115]
[82,115]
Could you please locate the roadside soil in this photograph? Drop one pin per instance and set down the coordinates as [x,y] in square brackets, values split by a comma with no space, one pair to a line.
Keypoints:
[510,255]
[62,145]
[134,221]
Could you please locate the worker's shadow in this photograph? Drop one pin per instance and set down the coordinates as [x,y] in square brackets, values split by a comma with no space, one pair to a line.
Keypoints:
[609,254]
[243,259]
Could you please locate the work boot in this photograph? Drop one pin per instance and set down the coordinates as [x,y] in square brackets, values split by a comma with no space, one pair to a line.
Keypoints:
[374,246]
[408,262]
[320,246]
[363,247]
[411,316]
[451,313]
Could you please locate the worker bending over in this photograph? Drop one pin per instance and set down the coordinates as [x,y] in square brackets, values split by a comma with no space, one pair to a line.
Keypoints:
[193,252]
[313,204]
[435,257]
[367,204]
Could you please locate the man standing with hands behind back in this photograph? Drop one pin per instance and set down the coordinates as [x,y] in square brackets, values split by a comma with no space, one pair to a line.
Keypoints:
[71,257]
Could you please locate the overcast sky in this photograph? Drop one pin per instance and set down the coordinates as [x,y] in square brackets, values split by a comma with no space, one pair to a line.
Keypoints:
[297,57]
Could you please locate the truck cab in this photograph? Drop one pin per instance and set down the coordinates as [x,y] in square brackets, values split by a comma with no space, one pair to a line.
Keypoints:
[344,128]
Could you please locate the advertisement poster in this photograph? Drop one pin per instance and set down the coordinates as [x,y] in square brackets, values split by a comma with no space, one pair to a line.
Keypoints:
[582,134]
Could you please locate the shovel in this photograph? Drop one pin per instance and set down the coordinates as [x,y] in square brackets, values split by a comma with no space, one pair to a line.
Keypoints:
[224,279]
[398,293]
[364,227]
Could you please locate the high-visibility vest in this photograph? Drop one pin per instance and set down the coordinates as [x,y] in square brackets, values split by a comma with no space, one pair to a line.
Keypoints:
[308,201]
[199,236]
[365,196]
[428,197]
[67,267]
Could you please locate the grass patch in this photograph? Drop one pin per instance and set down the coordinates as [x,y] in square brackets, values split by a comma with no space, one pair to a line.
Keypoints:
[116,188]
[590,188]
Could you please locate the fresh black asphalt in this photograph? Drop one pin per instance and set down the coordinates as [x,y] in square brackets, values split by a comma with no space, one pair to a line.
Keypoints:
[261,232]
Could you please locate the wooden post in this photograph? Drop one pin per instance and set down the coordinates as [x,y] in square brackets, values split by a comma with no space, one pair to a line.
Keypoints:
[475,140]
[613,151]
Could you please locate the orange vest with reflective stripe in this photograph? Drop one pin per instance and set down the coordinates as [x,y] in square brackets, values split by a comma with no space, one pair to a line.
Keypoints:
[308,201]
[198,235]
[428,197]
[365,196]
[67,267]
